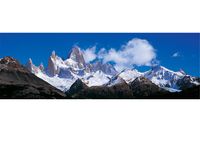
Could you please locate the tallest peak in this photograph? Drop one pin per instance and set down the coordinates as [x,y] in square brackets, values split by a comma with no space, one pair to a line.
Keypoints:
[53,53]
[77,55]
[76,49]
[75,52]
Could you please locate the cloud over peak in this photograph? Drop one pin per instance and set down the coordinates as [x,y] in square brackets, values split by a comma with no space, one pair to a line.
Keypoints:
[135,52]
[90,54]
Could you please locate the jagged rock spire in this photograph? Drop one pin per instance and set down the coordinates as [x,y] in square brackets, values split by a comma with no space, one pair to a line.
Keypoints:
[77,55]
[31,67]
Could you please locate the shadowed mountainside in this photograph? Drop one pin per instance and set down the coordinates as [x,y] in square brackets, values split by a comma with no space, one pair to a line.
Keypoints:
[140,88]
[17,82]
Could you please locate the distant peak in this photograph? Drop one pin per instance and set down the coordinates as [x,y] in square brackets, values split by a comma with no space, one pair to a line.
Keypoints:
[53,54]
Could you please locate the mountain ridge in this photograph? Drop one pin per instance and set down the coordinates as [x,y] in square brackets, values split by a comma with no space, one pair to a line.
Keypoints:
[63,73]
[16,81]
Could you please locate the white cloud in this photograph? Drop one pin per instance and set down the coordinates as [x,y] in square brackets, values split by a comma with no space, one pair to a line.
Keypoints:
[136,52]
[101,54]
[177,54]
[89,54]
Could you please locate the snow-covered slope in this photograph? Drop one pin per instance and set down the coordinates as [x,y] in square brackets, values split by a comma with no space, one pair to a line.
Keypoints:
[130,74]
[61,83]
[97,78]
[164,77]
[127,76]
[32,68]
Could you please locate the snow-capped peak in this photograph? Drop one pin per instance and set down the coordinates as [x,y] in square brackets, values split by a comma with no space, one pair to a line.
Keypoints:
[76,56]
[97,78]
[164,77]
[53,54]
[107,68]
[130,74]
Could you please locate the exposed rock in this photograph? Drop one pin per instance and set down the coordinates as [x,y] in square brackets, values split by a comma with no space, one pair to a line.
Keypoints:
[18,82]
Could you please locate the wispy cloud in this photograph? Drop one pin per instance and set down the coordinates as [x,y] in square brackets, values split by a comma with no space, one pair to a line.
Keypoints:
[176,54]
[90,54]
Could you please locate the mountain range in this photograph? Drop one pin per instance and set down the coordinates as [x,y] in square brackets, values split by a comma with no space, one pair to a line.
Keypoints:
[63,73]
[75,78]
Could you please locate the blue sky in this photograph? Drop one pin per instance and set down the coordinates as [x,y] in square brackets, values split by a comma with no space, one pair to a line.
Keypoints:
[173,50]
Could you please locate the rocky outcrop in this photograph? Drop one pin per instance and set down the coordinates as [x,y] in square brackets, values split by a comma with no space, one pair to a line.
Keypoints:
[143,87]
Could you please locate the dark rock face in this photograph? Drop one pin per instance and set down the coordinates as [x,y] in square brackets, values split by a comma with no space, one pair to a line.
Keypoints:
[81,91]
[139,88]
[142,88]
[188,82]
[188,93]
[26,91]
[77,87]
[103,92]
[17,82]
